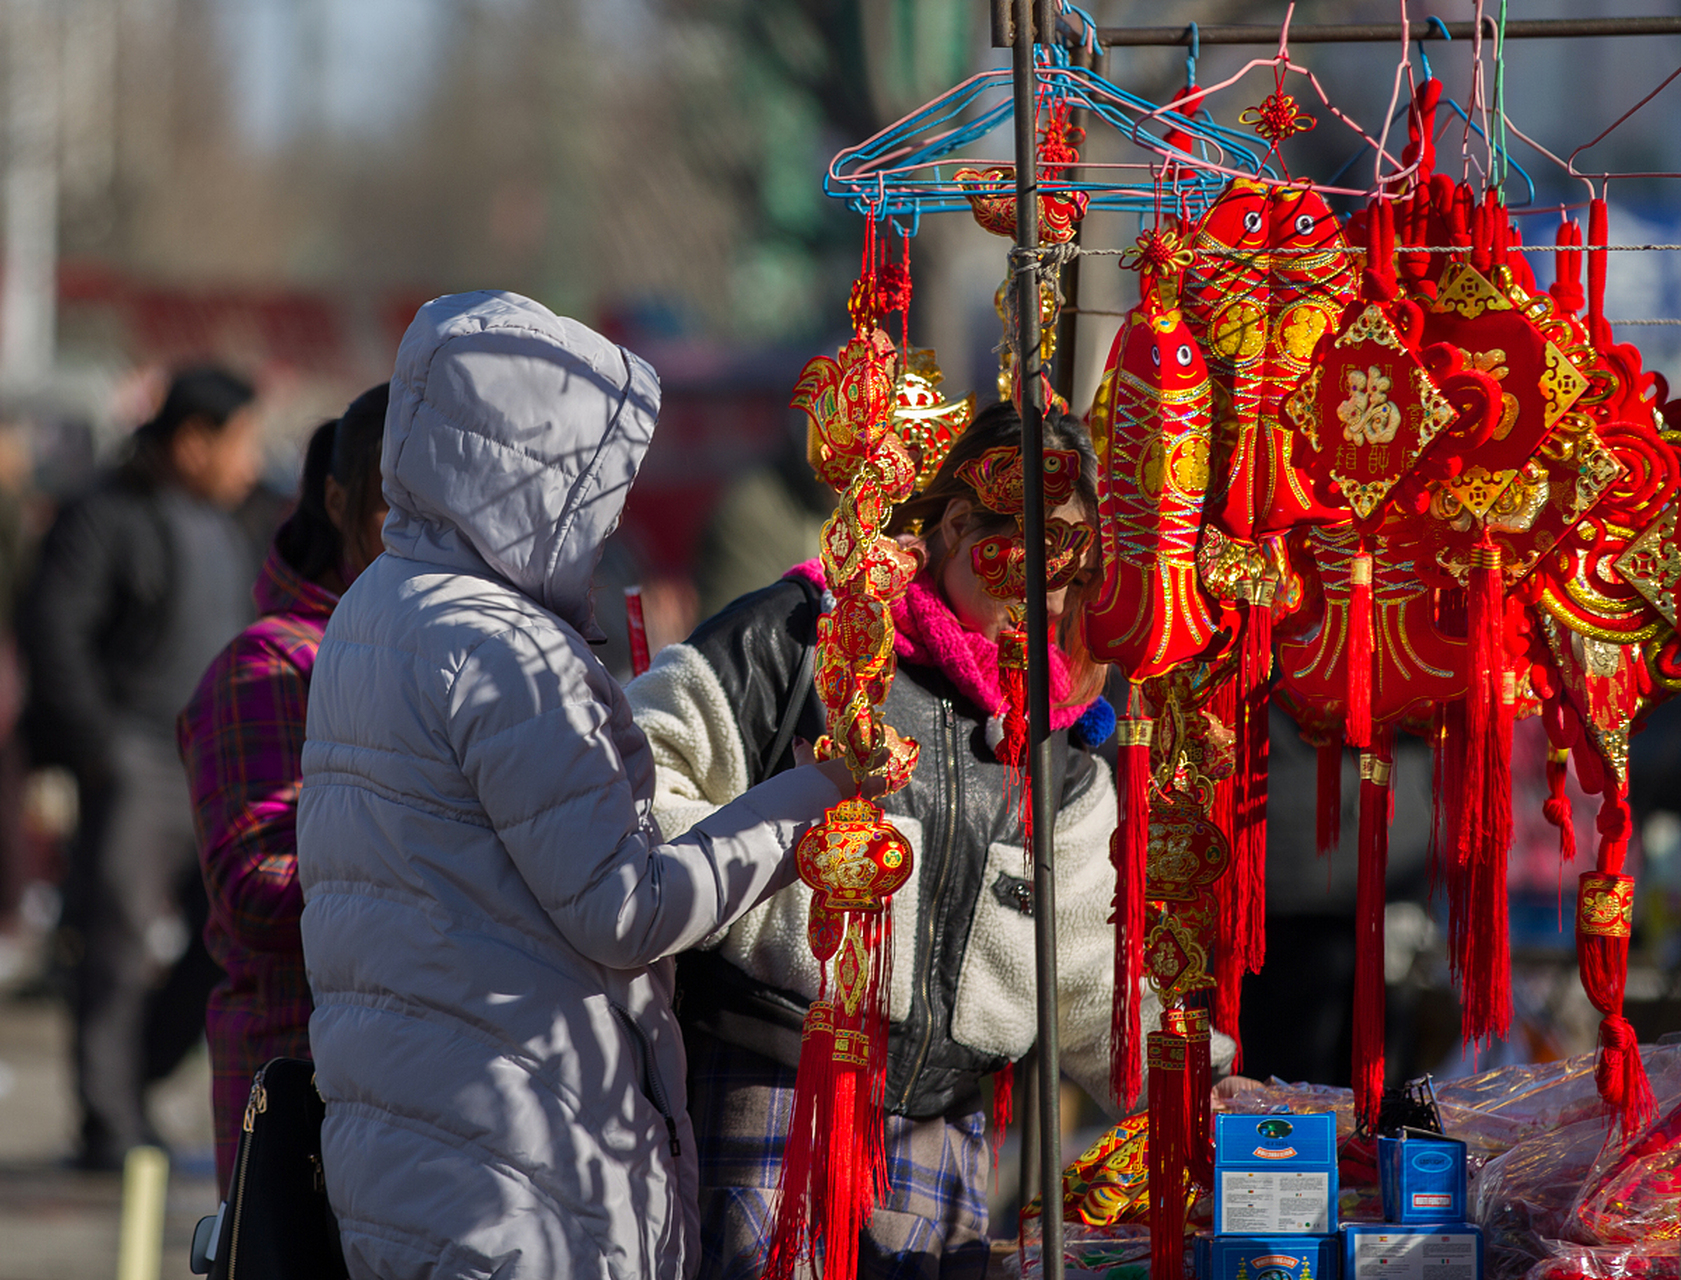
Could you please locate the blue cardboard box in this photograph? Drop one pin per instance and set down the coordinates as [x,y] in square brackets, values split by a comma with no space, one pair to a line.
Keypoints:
[1422,1178]
[1286,1257]
[1383,1251]
[1275,1174]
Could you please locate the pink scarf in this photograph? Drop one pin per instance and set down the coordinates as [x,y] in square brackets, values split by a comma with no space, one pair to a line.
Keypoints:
[928,634]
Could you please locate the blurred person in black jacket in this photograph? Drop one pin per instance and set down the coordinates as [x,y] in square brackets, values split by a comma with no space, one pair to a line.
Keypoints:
[140,583]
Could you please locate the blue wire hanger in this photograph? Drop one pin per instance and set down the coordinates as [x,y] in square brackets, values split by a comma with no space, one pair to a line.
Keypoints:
[909,167]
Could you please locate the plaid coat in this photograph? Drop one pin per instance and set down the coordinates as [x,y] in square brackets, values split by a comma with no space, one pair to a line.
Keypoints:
[241,738]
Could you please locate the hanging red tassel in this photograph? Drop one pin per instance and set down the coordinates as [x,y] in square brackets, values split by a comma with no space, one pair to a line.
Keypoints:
[1228,957]
[1358,725]
[1369,994]
[1003,1106]
[1556,808]
[1249,847]
[1486,988]
[1567,268]
[834,1166]
[1598,231]
[1170,1119]
[1479,945]
[1128,848]
[1327,825]
[1199,1076]
[1177,137]
[1604,919]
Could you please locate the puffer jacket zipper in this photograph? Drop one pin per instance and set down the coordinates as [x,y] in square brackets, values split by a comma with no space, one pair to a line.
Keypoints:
[929,912]
[255,1105]
[655,1090]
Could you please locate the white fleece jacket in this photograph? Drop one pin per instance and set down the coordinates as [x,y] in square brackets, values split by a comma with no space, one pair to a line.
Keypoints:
[700,763]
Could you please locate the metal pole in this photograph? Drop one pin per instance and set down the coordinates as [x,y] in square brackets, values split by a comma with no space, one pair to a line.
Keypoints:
[1038,682]
[1380,32]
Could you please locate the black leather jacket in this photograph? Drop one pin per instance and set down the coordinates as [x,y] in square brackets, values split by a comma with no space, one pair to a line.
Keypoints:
[958,793]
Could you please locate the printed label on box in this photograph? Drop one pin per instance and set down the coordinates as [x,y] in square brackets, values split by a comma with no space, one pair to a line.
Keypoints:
[1432,1200]
[1414,1256]
[1259,1202]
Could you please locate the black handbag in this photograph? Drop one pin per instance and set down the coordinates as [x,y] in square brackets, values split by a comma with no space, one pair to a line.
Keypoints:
[276,1223]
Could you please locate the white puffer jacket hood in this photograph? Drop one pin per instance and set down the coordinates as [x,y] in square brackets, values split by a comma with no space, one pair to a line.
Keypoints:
[490,906]
[511,442]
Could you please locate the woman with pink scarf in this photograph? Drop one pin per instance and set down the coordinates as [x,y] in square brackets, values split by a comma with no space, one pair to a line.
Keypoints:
[721,712]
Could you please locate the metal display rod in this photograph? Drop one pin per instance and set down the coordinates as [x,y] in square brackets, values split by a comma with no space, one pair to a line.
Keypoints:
[1038,638]
[1388,32]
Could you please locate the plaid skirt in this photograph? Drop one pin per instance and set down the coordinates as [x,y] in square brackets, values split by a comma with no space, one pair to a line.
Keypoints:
[931,1227]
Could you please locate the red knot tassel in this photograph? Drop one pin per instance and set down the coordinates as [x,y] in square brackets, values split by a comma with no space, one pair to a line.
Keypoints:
[1556,808]
[1369,995]
[1169,1151]
[1127,852]
[1604,916]
[1327,825]
[1480,949]
[1249,846]
[1358,726]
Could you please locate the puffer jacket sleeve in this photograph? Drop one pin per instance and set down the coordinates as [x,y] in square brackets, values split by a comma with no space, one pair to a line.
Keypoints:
[546,741]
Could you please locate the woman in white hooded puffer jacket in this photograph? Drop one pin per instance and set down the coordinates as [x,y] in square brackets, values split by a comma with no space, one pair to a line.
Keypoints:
[489,907]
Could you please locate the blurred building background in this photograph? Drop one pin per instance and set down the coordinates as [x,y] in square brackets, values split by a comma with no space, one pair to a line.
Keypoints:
[280,183]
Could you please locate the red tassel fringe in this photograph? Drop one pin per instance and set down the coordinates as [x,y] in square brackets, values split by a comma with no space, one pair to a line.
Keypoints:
[1358,725]
[1369,994]
[1249,848]
[1228,956]
[1128,847]
[1169,1151]
[1200,1083]
[1480,949]
[1598,232]
[834,1166]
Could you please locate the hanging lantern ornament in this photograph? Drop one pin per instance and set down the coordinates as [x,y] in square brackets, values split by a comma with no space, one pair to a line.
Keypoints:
[834,1165]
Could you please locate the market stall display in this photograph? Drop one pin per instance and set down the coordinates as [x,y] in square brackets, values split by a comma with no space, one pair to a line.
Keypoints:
[1367,465]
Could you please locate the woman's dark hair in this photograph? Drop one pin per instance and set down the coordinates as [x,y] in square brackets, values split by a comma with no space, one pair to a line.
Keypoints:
[356,451]
[207,393]
[996,426]
[347,449]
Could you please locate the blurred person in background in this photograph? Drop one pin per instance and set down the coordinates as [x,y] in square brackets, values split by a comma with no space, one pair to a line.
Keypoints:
[16,465]
[767,520]
[139,584]
[241,739]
